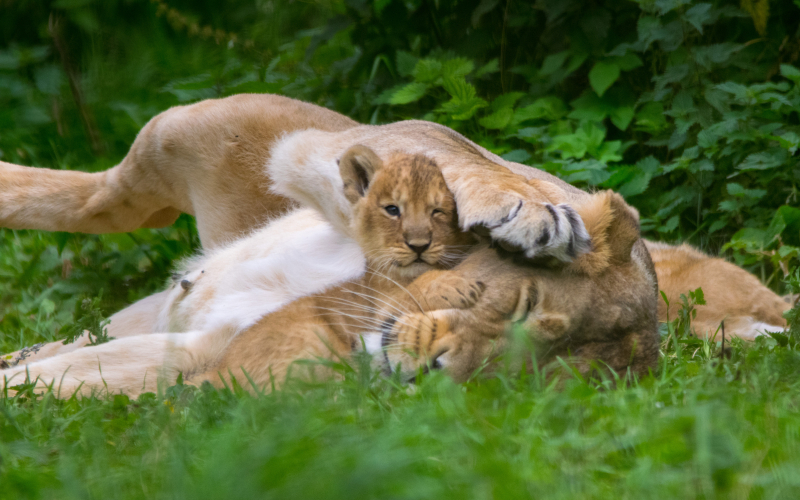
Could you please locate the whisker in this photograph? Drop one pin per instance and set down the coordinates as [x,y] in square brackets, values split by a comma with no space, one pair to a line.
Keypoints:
[405,290]
[399,307]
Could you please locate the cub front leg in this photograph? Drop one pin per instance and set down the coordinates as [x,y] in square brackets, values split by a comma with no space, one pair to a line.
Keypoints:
[446,290]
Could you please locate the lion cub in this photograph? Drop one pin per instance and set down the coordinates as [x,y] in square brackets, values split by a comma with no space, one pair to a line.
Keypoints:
[404,219]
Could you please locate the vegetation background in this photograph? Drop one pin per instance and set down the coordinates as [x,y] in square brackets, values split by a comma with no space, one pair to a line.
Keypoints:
[689,109]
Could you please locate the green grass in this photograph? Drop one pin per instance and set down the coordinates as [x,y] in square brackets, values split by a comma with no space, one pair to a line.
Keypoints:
[702,427]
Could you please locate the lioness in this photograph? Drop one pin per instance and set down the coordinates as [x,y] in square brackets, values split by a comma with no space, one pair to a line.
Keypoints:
[404,219]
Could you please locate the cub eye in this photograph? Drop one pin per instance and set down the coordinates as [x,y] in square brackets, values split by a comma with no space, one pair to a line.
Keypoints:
[437,211]
[392,210]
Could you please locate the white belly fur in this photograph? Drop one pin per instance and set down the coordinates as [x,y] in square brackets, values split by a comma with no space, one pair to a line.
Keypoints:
[293,256]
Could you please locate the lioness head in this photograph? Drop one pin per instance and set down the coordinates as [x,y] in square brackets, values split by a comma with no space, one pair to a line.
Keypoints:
[602,306]
[404,216]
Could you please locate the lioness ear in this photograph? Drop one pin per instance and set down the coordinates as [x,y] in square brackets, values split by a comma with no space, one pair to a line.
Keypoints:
[614,228]
[357,167]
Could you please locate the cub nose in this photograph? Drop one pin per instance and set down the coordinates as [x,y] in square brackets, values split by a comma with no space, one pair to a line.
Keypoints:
[419,249]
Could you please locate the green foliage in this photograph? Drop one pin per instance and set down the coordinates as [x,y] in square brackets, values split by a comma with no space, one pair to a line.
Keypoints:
[689,109]
[89,319]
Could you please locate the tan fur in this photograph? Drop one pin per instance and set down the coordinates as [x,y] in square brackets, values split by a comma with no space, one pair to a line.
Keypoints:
[732,294]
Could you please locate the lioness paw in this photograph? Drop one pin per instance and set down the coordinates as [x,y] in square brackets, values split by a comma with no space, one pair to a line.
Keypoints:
[451,291]
[539,230]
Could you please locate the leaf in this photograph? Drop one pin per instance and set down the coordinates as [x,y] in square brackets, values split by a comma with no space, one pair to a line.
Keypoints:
[602,76]
[737,190]
[412,92]
[649,164]
[484,7]
[608,152]
[463,109]
[497,120]
[492,66]
[717,225]
[637,185]
[457,68]
[769,158]
[405,63]
[627,62]
[591,172]
[789,141]
[706,139]
[708,55]
[740,92]
[506,100]
[427,70]
[786,223]
[728,206]
[621,117]
[588,138]
[647,27]
[650,118]
[748,238]
[590,107]
[698,15]
[553,62]
[718,99]
[781,339]
[790,72]
[458,88]
[673,74]
[670,226]
[549,108]
[759,13]
[517,156]
[464,103]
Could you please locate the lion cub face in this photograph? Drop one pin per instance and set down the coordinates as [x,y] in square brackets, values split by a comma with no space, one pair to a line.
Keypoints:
[404,216]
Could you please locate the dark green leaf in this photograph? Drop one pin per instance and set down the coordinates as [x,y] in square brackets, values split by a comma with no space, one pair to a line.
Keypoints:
[409,93]
[602,76]
[770,158]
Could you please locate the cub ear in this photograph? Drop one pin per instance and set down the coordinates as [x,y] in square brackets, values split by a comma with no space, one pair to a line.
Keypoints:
[357,167]
[613,226]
